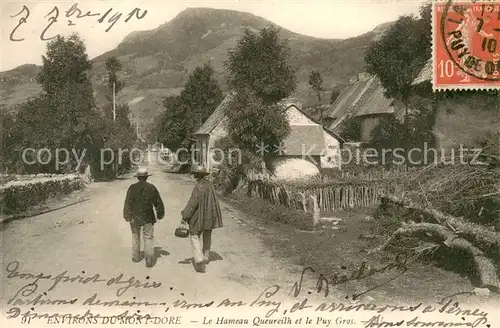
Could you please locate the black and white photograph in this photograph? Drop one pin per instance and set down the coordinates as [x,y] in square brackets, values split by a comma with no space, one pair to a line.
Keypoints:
[248,163]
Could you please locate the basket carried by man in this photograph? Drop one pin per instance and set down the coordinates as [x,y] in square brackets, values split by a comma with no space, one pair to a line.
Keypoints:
[182,230]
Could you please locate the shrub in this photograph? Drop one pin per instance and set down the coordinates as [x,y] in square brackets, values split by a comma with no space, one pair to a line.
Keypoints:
[275,213]
[468,191]
[230,173]
[388,219]
[351,129]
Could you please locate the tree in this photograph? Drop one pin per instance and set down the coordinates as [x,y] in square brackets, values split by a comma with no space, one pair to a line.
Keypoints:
[397,58]
[63,115]
[416,131]
[259,72]
[119,134]
[316,83]
[67,100]
[185,113]
[202,93]
[113,66]
[8,141]
[351,129]
[252,122]
[174,128]
[68,91]
[260,63]
[335,94]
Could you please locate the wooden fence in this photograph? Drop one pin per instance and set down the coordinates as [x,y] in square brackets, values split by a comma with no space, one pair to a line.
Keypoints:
[329,197]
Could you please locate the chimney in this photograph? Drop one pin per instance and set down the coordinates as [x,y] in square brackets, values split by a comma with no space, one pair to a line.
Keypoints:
[363,76]
[292,101]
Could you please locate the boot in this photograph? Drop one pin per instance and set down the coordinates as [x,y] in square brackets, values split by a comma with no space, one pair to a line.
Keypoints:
[200,267]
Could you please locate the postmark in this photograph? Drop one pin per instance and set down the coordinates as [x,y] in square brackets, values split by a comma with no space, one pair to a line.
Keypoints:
[466,45]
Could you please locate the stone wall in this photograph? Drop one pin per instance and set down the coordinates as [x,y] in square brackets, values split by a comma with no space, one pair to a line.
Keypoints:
[18,195]
[464,122]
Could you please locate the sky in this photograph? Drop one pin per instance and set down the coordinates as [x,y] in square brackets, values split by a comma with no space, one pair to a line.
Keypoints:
[336,19]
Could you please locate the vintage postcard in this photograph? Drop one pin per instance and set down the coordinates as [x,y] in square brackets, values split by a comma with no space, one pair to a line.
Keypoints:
[250,163]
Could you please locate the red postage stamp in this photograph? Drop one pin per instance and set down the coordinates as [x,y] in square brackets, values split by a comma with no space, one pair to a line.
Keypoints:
[466,44]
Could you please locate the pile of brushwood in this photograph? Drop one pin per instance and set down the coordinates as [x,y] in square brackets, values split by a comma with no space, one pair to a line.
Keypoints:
[469,191]
[450,214]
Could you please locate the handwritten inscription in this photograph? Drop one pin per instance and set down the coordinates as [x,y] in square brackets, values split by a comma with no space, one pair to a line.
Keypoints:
[71,16]
[323,282]
[275,310]
[63,277]
[453,314]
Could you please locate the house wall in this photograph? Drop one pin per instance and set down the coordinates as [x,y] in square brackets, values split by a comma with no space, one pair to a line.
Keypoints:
[332,159]
[464,122]
[217,133]
[201,147]
[368,123]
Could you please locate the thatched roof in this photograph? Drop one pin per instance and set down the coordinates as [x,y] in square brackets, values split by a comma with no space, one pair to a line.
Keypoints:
[303,140]
[374,102]
[425,73]
[364,97]
[217,115]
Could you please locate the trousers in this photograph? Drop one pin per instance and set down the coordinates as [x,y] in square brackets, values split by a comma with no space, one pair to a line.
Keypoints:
[201,243]
[147,234]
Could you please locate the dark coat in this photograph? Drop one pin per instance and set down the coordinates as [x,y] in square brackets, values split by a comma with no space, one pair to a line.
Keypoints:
[202,211]
[141,198]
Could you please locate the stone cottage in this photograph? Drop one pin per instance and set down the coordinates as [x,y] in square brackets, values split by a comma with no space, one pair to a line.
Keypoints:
[460,121]
[308,143]
[364,99]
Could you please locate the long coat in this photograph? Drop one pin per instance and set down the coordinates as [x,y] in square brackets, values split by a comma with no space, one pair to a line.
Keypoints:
[202,211]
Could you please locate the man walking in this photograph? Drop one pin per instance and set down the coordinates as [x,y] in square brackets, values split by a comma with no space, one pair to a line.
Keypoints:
[141,198]
[203,214]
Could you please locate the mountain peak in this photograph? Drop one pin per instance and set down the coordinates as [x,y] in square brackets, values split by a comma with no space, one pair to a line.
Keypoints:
[195,30]
[156,63]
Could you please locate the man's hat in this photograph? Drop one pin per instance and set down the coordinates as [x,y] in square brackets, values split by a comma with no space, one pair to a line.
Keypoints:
[198,169]
[142,172]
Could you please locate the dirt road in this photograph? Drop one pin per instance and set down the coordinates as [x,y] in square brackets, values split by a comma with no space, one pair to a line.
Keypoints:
[78,259]
[92,238]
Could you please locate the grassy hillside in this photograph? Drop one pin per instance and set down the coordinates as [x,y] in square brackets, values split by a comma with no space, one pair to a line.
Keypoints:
[157,62]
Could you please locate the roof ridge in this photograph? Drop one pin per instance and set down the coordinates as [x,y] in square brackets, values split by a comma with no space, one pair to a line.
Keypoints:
[217,115]
[362,93]
[352,107]
[344,100]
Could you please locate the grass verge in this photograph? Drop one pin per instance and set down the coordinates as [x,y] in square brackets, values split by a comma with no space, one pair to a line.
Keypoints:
[341,251]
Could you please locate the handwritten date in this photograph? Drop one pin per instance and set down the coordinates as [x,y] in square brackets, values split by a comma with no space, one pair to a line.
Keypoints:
[73,14]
